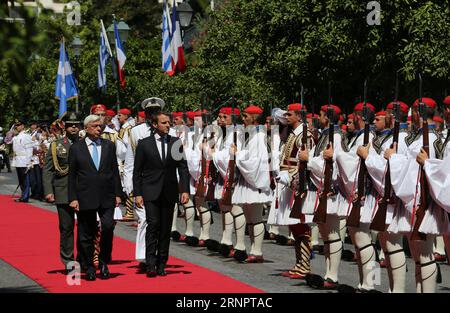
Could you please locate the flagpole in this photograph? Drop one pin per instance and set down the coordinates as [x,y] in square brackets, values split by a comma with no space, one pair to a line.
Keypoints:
[117,70]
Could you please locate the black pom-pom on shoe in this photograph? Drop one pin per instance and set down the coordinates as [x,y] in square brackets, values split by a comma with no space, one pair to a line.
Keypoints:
[191,241]
[240,255]
[346,289]
[175,235]
[212,245]
[314,281]
[224,250]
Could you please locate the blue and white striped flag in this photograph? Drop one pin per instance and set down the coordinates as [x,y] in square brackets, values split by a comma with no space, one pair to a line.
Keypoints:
[66,88]
[104,53]
[166,48]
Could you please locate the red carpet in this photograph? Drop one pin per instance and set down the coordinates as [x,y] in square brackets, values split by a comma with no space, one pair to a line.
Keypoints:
[29,241]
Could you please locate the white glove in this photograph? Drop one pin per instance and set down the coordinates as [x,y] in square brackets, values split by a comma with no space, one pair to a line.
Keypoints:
[283,178]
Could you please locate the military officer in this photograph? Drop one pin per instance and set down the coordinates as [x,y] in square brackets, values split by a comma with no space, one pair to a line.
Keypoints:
[55,179]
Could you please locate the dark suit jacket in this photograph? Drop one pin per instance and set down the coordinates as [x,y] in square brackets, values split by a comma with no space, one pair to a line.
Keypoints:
[93,189]
[152,177]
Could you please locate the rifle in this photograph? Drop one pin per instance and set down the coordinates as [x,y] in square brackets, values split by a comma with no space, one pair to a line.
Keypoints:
[355,215]
[379,221]
[229,182]
[315,122]
[423,205]
[212,174]
[300,193]
[201,185]
[320,215]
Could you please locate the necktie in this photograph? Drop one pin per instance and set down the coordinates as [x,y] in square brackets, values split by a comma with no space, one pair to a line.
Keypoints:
[163,148]
[95,155]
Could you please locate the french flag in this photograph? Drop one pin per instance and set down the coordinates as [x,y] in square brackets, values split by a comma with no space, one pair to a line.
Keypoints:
[179,63]
[121,58]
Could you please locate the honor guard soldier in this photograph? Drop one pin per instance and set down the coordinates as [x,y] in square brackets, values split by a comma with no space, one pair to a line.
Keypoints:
[405,169]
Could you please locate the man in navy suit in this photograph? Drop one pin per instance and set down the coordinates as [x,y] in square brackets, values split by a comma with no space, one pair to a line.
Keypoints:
[155,185]
[94,187]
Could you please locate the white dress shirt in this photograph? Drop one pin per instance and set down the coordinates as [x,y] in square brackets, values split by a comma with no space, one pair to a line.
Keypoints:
[158,139]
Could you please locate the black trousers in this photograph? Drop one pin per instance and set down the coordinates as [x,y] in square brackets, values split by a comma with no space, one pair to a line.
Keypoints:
[24,181]
[36,182]
[87,229]
[159,214]
[66,217]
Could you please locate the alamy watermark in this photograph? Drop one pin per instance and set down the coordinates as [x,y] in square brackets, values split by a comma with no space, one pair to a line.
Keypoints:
[374,16]
[73,13]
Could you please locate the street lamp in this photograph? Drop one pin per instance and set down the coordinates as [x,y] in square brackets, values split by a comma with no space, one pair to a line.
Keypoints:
[185,12]
[77,45]
[123,29]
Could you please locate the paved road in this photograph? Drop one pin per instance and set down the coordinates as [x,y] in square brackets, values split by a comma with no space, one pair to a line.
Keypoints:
[264,276]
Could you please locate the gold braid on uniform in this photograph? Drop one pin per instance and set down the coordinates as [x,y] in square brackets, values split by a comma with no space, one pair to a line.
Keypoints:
[61,171]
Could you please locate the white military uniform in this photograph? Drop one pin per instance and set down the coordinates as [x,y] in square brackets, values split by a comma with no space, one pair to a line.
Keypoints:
[22,146]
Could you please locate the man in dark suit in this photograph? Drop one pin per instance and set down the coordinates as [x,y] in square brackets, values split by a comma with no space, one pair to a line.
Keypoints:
[94,187]
[155,184]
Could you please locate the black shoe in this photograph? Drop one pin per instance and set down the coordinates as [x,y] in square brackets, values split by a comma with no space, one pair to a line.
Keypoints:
[161,271]
[104,271]
[21,200]
[90,274]
[151,271]
[142,266]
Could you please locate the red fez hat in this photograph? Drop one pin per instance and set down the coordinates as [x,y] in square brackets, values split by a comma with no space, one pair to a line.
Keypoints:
[141,114]
[403,106]
[199,112]
[447,100]
[350,116]
[336,109]
[295,107]
[360,106]
[341,118]
[190,114]
[427,101]
[381,113]
[344,127]
[96,107]
[310,115]
[125,111]
[177,114]
[229,110]
[253,109]
[438,119]
[110,113]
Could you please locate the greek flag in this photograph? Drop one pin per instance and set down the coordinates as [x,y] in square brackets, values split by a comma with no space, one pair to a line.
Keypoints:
[166,48]
[66,88]
[104,53]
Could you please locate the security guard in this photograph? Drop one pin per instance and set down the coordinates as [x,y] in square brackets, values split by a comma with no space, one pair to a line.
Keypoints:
[55,179]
